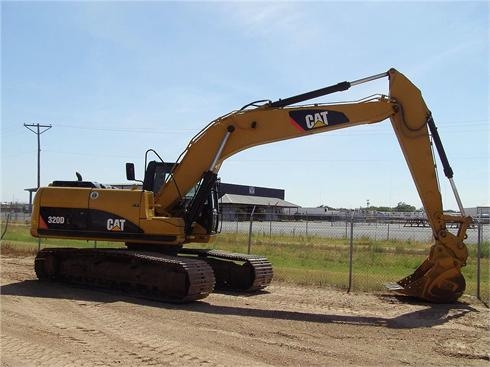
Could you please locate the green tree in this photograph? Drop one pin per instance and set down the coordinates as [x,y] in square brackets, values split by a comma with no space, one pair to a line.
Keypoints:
[404,207]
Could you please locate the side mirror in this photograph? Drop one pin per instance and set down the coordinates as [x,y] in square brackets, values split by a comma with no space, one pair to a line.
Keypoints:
[130,172]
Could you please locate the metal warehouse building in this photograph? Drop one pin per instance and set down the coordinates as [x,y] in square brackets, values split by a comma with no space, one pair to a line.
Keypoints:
[238,201]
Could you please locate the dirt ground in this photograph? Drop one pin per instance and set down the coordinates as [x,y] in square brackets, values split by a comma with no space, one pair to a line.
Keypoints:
[46,324]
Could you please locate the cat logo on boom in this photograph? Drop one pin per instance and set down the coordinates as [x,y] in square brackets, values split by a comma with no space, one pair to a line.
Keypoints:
[115,225]
[316,120]
[309,119]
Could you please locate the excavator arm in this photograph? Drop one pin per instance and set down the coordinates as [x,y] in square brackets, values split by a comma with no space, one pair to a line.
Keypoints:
[439,278]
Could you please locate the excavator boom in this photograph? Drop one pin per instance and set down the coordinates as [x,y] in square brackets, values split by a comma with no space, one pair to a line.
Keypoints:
[162,218]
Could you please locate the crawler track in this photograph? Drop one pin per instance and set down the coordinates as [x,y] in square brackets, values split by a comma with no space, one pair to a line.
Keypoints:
[147,274]
[234,271]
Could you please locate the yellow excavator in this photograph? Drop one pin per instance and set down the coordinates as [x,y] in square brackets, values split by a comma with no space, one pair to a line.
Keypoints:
[178,204]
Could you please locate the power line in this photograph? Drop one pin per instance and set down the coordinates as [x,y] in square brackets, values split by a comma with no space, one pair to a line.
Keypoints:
[38,131]
[460,126]
[148,130]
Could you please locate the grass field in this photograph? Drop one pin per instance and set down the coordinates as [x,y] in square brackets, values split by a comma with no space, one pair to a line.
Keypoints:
[305,260]
[323,261]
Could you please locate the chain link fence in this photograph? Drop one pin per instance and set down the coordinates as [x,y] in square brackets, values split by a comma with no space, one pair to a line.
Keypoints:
[352,251]
[357,252]
[15,216]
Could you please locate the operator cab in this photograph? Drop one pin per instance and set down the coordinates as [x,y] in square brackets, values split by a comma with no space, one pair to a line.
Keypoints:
[200,204]
[156,174]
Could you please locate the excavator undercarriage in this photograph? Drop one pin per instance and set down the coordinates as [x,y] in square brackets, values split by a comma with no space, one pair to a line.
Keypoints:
[189,277]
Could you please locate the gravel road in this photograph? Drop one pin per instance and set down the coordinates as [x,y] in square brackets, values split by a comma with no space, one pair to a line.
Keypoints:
[45,324]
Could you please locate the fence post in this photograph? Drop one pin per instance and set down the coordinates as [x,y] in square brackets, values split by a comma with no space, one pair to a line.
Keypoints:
[306,226]
[270,221]
[351,250]
[478,261]
[6,226]
[250,230]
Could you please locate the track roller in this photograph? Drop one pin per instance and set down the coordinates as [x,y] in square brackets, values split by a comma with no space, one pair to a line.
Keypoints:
[238,272]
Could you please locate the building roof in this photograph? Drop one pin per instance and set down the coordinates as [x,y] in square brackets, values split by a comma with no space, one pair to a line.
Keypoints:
[227,188]
[256,200]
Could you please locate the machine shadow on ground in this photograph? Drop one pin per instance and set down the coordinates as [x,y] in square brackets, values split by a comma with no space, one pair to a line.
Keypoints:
[431,315]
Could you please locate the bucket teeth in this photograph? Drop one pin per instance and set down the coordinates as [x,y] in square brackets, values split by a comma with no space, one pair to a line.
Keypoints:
[434,282]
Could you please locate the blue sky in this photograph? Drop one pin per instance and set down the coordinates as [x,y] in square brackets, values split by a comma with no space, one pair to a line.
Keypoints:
[114,79]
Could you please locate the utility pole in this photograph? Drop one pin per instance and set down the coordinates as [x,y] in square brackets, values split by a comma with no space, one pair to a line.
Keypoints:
[39,129]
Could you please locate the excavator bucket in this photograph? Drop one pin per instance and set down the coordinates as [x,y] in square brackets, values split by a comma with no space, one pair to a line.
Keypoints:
[438,279]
